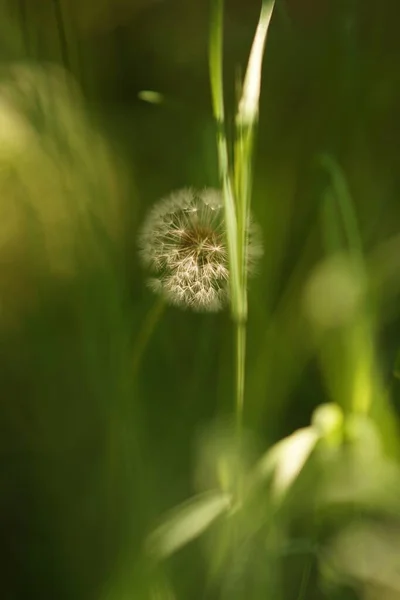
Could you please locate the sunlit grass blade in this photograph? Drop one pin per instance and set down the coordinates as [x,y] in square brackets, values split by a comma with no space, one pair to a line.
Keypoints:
[187,522]
[246,122]
[283,462]
[237,197]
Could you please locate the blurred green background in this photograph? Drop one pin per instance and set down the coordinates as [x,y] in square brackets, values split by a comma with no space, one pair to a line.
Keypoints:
[104,396]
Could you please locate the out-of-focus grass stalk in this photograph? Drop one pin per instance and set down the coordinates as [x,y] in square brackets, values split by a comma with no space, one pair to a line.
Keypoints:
[368,393]
[346,209]
[237,186]
[367,383]
[146,332]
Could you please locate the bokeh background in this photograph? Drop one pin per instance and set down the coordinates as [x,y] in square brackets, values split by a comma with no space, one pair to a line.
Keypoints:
[105,394]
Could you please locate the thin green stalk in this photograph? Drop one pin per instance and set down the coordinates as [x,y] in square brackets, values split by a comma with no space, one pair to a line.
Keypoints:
[305,579]
[216,79]
[366,383]
[240,373]
[243,174]
[246,125]
[346,208]
[237,198]
[237,309]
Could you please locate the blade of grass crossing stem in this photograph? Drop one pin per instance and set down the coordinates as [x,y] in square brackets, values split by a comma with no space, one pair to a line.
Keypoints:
[237,200]
[237,308]
[246,122]
[216,79]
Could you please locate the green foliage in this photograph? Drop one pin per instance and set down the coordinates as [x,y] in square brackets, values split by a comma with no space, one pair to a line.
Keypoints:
[138,459]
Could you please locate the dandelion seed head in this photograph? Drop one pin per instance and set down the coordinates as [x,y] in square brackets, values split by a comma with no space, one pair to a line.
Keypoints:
[183,243]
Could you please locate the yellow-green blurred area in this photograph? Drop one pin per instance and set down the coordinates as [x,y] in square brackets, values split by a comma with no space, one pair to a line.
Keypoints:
[114,409]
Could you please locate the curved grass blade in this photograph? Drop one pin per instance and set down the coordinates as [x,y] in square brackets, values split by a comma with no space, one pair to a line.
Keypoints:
[187,522]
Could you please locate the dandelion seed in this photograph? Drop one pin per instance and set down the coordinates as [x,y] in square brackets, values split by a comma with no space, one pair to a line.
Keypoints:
[183,243]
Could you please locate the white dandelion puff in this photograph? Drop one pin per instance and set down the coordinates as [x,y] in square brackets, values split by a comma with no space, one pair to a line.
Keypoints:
[183,243]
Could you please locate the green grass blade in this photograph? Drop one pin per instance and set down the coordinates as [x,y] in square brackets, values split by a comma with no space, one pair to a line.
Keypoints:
[187,522]
[346,208]
[246,123]
[216,79]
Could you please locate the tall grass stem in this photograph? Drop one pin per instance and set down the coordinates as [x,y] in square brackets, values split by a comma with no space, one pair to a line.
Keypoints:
[237,185]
